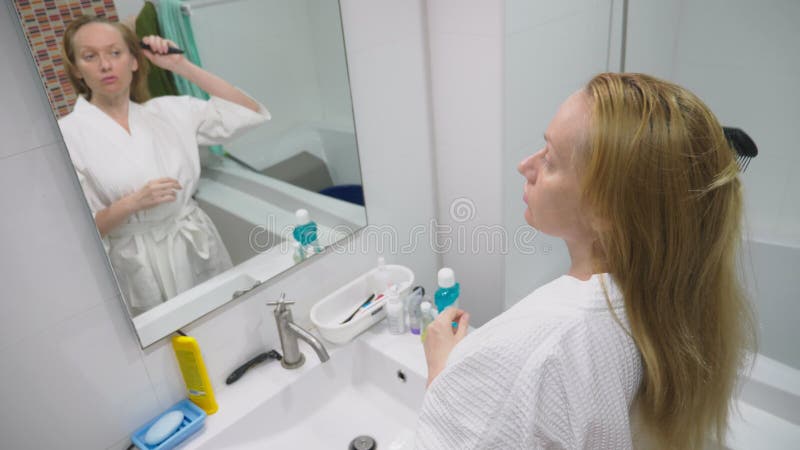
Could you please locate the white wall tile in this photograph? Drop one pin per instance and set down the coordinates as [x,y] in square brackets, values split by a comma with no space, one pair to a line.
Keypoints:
[652,37]
[82,379]
[21,123]
[527,14]
[467,80]
[544,259]
[393,126]
[551,51]
[775,288]
[787,230]
[53,262]
[544,66]
[164,374]
[127,8]
[740,33]
[466,17]
[371,24]
[330,66]
[282,75]
[765,182]
[741,59]
[466,53]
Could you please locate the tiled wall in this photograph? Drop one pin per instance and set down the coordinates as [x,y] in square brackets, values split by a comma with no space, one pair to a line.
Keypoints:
[742,59]
[278,60]
[71,364]
[44,22]
[552,49]
[466,54]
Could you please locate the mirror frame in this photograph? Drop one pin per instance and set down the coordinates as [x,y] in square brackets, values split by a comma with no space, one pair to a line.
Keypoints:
[172,315]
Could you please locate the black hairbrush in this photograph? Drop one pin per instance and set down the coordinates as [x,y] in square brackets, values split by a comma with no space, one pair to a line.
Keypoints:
[171,51]
[743,145]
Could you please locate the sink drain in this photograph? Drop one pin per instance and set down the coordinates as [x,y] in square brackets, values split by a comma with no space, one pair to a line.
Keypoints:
[363,443]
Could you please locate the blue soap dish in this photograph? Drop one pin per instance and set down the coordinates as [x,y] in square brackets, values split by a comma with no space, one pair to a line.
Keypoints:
[193,418]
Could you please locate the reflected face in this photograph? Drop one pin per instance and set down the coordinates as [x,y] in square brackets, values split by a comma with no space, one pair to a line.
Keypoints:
[103,61]
[552,186]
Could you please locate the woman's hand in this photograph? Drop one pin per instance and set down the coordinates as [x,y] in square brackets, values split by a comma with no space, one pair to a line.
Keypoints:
[158,53]
[441,337]
[154,193]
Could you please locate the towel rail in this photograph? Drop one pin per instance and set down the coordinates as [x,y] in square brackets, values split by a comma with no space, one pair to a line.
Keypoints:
[188,6]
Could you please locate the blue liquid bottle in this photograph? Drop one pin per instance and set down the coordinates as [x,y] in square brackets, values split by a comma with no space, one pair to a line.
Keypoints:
[447,294]
[305,233]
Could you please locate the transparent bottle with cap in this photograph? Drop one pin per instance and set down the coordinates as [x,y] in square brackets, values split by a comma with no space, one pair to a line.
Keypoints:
[380,277]
[426,315]
[449,290]
[413,302]
[394,311]
[305,233]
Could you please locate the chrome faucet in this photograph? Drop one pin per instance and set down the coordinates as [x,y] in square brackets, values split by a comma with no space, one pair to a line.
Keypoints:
[289,332]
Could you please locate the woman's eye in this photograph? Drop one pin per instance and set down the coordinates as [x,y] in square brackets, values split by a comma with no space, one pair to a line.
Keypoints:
[88,56]
[116,53]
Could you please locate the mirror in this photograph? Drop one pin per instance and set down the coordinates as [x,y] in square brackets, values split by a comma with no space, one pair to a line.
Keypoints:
[206,223]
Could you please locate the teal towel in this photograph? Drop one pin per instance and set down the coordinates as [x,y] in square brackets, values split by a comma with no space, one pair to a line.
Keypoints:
[177,27]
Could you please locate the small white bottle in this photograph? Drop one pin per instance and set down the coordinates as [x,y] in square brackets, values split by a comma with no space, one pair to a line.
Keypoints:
[380,278]
[395,313]
[426,317]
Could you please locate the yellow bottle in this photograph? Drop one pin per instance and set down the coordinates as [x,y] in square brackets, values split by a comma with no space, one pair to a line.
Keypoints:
[194,373]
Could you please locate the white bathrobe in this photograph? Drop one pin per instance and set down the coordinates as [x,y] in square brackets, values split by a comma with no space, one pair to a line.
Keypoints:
[161,251]
[555,371]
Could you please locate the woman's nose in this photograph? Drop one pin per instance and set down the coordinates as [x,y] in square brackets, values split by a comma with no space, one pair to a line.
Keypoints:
[524,165]
[528,164]
[105,62]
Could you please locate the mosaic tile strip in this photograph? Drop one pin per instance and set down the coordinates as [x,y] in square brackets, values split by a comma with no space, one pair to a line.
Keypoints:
[43,22]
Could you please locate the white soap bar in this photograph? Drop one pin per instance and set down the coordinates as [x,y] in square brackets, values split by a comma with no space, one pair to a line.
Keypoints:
[163,427]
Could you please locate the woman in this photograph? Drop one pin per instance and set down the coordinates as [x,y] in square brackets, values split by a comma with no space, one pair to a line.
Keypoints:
[137,159]
[638,179]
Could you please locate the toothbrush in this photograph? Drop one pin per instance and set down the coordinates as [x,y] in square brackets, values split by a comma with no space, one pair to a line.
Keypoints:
[363,305]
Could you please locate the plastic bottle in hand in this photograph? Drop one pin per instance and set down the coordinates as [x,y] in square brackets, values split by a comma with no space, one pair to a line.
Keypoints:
[449,290]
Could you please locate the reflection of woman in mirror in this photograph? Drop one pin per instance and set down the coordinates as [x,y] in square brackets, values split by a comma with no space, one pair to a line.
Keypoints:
[640,343]
[138,161]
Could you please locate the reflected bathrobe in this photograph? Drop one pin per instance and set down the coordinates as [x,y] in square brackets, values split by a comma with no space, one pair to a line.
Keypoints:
[555,371]
[161,251]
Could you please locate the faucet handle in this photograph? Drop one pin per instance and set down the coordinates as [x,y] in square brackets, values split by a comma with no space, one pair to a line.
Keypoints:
[281,301]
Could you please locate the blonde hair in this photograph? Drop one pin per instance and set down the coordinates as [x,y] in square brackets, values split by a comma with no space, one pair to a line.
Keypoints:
[662,183]
[138,91]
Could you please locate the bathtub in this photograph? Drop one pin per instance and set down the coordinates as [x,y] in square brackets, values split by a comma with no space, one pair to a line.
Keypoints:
[767,414]
[332,141]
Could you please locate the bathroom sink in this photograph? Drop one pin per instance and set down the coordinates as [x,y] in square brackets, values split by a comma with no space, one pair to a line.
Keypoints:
[373,386]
